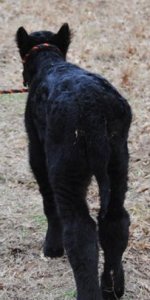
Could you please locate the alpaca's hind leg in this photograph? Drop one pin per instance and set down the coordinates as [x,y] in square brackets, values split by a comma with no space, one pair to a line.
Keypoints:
[114,228]
[80,235]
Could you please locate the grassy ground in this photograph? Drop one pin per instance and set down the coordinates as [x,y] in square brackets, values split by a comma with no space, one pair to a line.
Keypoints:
[114,41]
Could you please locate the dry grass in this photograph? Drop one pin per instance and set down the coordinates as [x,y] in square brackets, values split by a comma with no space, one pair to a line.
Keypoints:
[114,41]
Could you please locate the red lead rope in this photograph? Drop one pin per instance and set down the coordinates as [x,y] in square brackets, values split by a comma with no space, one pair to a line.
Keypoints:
[13,91]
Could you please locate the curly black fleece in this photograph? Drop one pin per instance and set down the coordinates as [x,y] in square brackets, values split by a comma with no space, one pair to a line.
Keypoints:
[77,124]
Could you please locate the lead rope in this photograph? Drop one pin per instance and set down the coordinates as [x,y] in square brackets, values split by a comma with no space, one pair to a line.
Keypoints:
[13,91]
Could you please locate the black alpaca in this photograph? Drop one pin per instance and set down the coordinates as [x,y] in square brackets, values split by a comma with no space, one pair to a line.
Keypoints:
[77,124]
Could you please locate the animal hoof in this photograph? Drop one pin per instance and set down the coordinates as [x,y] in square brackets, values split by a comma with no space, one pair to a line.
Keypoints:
[111,295]
[113,289]
[52,252]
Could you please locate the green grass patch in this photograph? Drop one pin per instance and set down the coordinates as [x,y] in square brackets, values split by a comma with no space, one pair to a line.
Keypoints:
[71,294]
[40,220]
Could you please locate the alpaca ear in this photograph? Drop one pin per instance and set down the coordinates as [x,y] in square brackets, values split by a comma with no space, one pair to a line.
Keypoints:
[22,40]
[63,38]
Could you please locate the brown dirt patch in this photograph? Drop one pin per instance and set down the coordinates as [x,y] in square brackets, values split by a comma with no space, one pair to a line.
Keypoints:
[111,38]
